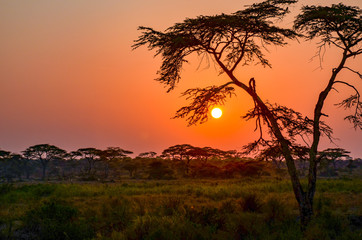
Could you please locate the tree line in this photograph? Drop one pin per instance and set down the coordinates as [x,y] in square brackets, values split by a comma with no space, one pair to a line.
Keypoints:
[49,162]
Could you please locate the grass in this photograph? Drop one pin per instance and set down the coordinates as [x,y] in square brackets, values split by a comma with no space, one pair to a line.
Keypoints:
[178,209]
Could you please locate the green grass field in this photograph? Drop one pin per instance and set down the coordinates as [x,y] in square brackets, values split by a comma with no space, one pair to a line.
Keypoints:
[178,209]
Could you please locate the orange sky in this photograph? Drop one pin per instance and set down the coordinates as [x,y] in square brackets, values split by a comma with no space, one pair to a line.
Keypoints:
[68,77]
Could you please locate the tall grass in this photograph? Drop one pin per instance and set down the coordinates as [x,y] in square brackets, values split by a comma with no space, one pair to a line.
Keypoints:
[178,209]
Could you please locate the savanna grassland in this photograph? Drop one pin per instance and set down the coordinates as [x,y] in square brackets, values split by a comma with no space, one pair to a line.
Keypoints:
[244,208]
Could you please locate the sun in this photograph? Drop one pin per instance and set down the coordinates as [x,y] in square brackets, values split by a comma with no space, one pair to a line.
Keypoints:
[216,112]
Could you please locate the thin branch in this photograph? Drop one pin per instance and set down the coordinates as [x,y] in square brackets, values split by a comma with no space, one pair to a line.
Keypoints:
[349,85]
[242,51]
[356,72]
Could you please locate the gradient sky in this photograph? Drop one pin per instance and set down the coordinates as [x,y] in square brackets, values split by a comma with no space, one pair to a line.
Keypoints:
[68,77]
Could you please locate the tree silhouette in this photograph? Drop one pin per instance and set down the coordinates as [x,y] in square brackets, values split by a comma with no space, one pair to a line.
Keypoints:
[331,155]
[111,155]
[180,152]
[27,164]
[44,153]
[91,155]
[150,154]
[204,153]
[177,152]
[241,38]
[5,157]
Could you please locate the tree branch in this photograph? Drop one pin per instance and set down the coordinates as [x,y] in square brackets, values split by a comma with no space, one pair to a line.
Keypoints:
[356,72]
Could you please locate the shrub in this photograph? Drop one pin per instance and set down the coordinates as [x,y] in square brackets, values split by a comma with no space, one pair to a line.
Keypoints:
[5,188]
[150,227]
[207,170]
[115,215]
[205,216]
[170,205]
[274,210]
[55,221]
[250,203]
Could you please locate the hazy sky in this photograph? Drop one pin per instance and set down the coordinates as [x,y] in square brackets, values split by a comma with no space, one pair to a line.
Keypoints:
[68,77]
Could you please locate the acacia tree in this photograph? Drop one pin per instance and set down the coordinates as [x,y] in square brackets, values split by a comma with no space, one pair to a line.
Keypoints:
[44,153]
[239,39]
[331,155]
[180,152]
[204,153]
[91,155]
[149,154]
[111,155]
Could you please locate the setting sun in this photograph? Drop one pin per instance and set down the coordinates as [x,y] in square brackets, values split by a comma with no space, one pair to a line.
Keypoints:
[216,113]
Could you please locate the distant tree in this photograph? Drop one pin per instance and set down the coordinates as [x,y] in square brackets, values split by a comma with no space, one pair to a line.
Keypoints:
[111,155]
[91,155]
[4,161]
[331,155]
[273,154]
[16,165]
[301,153]
[147,155]
[132,166]
[232,154]
[4,155]
[116,152]
[44,153]
[203,154]
[27,164]
[180,152]
[73,155]
[72,165]
[177,152]
[240,38]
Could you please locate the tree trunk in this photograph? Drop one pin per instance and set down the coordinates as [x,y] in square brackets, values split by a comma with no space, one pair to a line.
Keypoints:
[44,164]
[27,172]
[43,172]
[305,211]
[106,170]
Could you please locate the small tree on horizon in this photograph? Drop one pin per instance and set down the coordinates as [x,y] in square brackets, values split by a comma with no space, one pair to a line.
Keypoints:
[149,154]
[238,39]
[91,155]
[112,155]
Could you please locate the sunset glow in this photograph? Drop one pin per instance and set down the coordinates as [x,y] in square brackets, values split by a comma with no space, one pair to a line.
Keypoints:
[69,77]
[216,112]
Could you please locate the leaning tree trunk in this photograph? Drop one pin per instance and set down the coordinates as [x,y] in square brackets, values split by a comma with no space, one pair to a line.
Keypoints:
[305,201]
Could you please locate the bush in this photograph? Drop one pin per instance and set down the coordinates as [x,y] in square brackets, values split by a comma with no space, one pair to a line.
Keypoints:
[274,210]
[116,215]
[205,216]
[207,170]
[55,221]
[167,228]
[5,188]
[250,203]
